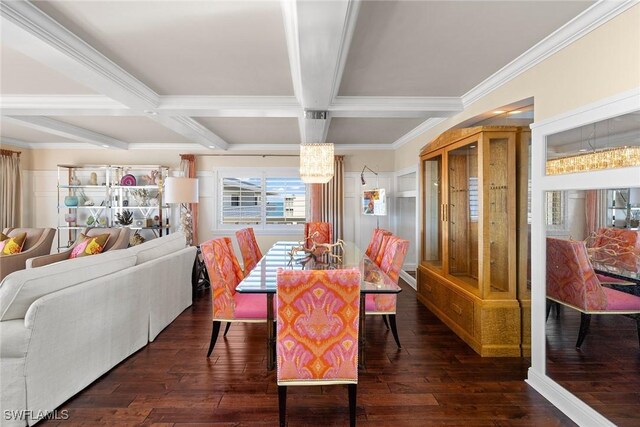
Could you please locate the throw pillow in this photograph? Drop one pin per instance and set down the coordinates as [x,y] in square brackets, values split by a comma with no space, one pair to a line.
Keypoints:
[12,245]
[90,245]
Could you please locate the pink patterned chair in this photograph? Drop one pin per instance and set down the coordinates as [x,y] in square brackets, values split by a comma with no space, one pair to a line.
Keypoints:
[321,232]
[317,339]
[376,243]
[617,247]
[225,274]
[571,281]
[391,260]
[249,248]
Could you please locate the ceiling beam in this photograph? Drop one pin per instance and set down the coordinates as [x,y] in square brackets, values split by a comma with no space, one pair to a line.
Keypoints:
[192,130]
[230,106]
[395,106]
[55,127]
[34,33]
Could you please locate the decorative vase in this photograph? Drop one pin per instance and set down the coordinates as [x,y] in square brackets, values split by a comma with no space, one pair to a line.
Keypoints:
[71,201]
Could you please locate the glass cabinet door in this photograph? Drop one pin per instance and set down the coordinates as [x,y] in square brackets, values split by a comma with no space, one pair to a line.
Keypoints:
[433,207]
[462,213]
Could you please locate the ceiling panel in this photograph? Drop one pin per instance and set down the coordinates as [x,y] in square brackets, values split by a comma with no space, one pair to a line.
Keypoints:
[187,47]
[21,75]
[369,131]
[127,129]
[22,133]
[254,130]
[443,48]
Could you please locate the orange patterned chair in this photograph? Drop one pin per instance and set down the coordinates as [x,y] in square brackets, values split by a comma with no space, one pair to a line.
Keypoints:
[225,274]
[317,339]
[376,242]
[321,232]
[571,281]
[391,259]
[249,248]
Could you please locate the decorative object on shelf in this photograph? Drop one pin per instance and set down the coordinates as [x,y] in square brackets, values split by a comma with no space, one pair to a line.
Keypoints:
[125,203]
[144,222]
[70,218]
[93,179]
[142,196]
[151,178]
[74,180]
[316,163]
[183,191]
[102,221]
[128,180]
[136,239]
[71,201]
[90,220]
[619,157]
[125,218]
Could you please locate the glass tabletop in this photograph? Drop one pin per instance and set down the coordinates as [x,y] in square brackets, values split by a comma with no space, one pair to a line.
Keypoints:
[262,278]
[616,272]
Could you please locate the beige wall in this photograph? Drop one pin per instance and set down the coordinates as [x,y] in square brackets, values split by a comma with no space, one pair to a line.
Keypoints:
[603,63]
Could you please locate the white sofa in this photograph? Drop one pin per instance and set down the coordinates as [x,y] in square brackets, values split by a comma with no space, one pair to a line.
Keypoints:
[64,325]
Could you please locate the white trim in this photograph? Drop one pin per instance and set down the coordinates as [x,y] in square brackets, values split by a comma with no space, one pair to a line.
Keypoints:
[395,106]
[230,106]
[581,413]
[417,131]
[409,279]
[353,8]
[290,19]
[191,129]
[15,142]
[596,15]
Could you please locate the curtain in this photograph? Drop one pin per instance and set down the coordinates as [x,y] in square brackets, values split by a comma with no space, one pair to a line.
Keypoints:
[188,167]
[10,189]
[326,203]
[592,211]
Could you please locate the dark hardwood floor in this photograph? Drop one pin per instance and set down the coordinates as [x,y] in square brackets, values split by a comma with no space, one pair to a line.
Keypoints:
[605,371]
[435,379]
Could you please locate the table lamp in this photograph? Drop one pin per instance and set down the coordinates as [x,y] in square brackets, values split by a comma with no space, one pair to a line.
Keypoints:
[183,191]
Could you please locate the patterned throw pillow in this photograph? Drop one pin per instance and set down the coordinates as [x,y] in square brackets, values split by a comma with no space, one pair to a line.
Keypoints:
[12,245]
[90,245]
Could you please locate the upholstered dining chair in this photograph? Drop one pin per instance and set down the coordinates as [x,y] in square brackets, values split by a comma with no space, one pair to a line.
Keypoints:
[118,239]
[249,248]
[572,282]
[225,274]
[618,248]
[37,243]
[394,252]
[320,232]
[376,242]
[317,331]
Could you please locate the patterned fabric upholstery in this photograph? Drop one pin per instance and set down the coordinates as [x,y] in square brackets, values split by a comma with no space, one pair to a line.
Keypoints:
[391,263]
[249,248]
[318,314]
[324,232]
[617,239]
[225,274]
[376,243]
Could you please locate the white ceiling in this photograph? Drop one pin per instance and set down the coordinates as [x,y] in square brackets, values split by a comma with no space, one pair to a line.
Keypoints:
[239,74]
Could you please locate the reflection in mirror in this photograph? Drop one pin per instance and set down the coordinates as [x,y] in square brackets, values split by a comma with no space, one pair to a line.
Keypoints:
[593,295]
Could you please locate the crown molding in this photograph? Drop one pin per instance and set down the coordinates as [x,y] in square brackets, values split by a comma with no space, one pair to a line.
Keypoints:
[16,142]
[55,127]
[230,106]
[417,131]
[36,34]
[395,106]
[587,21]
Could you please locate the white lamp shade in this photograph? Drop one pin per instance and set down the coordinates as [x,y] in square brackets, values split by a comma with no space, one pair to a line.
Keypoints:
[181,190]
[316,163]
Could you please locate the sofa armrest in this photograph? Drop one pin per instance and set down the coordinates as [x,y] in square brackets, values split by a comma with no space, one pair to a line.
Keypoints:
[47,259]
[16,262]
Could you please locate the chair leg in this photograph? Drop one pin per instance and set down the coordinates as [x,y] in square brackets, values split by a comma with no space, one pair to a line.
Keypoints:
[226,329]
[214,336]
[353,391]
[585,320]
[394,329]
[282,404]
[384,319]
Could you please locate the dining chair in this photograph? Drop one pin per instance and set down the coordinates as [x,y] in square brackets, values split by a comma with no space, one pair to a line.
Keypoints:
[618,248]
[249,248]
[225,274]
[318,232]
[317,331]
[376,242]
[395,251]
[572,282]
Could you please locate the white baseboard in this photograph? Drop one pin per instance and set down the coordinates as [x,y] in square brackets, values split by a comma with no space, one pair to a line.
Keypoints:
[579,412]
[409,279]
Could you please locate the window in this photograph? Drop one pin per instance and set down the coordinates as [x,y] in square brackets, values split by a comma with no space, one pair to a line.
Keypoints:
[554,208]
[267,199]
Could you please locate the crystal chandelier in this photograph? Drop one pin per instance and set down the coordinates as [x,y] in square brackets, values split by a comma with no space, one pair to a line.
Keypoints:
[316,163]
[609,158]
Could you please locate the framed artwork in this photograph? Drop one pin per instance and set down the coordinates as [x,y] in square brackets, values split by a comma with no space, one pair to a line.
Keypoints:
[374,202]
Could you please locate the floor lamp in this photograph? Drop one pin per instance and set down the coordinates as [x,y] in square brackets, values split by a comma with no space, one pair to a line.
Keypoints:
[183,191]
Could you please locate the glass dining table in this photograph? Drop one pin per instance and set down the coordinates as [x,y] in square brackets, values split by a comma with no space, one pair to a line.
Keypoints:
[263,279]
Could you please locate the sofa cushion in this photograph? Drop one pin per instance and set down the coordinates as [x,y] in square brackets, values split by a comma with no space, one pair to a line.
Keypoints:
[12,245]
[159,247]
[90,245]
[21,288]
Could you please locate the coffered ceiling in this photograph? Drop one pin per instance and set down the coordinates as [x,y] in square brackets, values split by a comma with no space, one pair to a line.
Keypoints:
[239,75]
